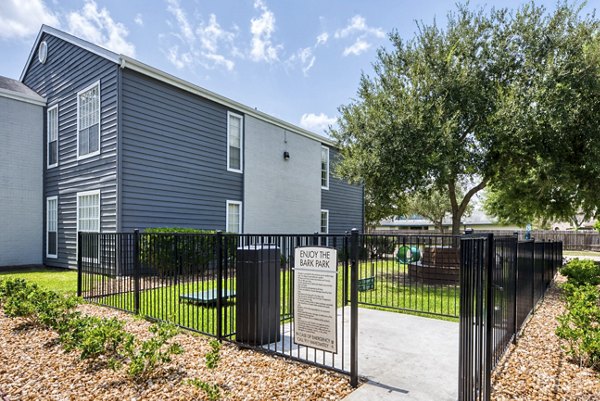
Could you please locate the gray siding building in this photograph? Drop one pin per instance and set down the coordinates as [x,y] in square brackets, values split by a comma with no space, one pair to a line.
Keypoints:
[128,146]
[21,158]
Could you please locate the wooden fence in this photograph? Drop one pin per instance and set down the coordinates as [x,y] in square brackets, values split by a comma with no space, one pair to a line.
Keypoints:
[572,240]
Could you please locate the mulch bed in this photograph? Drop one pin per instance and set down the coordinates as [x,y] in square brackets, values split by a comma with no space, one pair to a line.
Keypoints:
[538,368]
[33,366]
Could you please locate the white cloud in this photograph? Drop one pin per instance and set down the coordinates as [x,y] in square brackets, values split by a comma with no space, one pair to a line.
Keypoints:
[261,28]
[316,122]
[21,19]
[322,39]
[357,28]
[98,27]
[358,24]
[138,19]
[202,45]
[360,46]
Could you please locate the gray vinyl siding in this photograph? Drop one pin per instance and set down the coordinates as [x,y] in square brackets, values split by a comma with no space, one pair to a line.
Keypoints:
[344,201]
[69,69]
[174,157]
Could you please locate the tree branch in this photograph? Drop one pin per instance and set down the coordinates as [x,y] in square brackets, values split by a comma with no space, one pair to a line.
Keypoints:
[467,198]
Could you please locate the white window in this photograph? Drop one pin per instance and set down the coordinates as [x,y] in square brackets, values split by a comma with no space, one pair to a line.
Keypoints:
[234,217]
[88,121]
[52,132]
[234,142]
[52,227]
[324,167]
[88,220]
[324,222]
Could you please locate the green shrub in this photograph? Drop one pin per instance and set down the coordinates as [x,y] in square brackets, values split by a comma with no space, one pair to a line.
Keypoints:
[581,272]
[144,356]
[580,325]
[20,298]
[171,254]
[212,358]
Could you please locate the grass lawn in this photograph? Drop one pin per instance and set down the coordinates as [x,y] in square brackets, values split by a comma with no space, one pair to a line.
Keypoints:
[60,280]
[389,293]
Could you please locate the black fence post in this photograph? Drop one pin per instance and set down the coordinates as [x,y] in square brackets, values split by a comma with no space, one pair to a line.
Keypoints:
[354,310]
[346,258]
[489,306]
[219,239]
[79,266]
[515,287]
[136,271]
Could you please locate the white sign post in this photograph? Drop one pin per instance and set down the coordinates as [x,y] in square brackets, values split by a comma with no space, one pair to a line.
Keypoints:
[315,298]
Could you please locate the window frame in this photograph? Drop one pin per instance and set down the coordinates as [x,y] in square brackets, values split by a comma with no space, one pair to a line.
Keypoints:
[86,89]
[48,200]
[326,211]
[326,186]
[50,109]
[240,204]
[79,195]
[241,118]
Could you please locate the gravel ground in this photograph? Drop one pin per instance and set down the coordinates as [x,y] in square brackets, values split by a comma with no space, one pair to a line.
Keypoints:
[33,366]
[538,367]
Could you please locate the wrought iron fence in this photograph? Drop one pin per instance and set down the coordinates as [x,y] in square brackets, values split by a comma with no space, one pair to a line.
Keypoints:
[502,280]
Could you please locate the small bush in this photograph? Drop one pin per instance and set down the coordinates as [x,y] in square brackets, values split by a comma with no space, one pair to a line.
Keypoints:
[212,391]
[144,356]
[580,325]
[171,254]
[581,272]
[213,357]
[37,305]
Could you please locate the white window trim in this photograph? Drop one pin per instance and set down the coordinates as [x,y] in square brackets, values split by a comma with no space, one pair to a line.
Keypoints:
[241,169]
[48,199]
[86,156]
[239,203]
[87,193]
[326,186]
[326,211]
[48,165]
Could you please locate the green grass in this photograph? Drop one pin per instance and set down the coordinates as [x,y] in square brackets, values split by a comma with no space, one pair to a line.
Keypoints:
[390,293]
[60,280]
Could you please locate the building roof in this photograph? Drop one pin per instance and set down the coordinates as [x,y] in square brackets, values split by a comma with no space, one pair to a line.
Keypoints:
[135,65]
[14,89]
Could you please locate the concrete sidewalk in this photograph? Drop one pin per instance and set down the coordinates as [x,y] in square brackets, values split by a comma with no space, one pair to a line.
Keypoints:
[406,357]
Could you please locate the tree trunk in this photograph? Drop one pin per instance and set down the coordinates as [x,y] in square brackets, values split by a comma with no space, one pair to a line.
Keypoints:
[456,216]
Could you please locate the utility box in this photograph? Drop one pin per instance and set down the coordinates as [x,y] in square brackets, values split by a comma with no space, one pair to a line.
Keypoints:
[258,269]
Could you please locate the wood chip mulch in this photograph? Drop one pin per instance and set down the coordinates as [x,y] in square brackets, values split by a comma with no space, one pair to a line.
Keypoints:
[33,366]
[538,368]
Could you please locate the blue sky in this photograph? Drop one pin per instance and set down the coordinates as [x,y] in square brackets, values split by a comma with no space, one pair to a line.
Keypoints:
[294,59]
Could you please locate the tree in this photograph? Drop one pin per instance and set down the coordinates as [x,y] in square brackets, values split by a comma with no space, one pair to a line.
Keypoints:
[480,103]
[434,206]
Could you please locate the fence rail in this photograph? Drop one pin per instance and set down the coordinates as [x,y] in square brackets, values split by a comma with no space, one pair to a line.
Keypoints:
[502,280]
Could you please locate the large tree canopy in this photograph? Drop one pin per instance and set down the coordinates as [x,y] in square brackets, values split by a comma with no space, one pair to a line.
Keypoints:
[503,99]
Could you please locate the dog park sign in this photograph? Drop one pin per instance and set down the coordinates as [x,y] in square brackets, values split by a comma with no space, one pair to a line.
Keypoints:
[315,295]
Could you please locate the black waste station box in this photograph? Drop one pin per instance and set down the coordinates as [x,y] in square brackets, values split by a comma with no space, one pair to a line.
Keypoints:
[257,291]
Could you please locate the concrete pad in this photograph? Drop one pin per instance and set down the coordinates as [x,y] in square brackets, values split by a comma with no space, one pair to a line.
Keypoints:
[403,357]
[406,357]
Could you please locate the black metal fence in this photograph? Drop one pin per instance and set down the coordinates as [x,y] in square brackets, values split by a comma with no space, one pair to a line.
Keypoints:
[502,279]
[240,288]
[178,278]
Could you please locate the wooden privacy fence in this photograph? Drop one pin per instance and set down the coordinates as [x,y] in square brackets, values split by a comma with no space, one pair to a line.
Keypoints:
[572,240]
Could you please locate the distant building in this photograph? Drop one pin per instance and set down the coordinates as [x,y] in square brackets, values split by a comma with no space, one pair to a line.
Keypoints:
[478,220]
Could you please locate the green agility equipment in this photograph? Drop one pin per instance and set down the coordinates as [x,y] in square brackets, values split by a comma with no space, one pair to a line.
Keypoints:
[408,254]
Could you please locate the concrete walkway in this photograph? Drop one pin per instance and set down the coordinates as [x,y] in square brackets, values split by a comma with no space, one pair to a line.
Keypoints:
[403,357]
[406,357]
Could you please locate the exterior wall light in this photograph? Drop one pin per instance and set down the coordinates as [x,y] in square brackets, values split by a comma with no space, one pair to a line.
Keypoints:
[286,155]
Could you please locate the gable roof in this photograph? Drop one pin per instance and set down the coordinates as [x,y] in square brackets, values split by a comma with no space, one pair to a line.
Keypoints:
[135,65]
[14,89]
